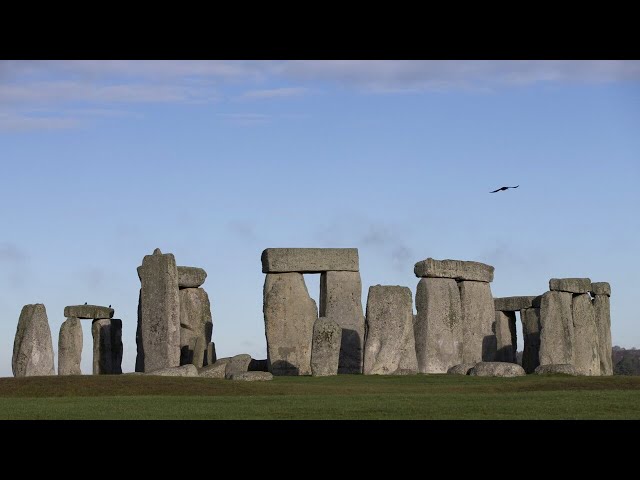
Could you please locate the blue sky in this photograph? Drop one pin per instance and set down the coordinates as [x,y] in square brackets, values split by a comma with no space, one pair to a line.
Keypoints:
[214,161]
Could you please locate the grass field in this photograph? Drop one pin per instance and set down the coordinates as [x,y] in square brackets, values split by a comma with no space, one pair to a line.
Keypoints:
[339,397]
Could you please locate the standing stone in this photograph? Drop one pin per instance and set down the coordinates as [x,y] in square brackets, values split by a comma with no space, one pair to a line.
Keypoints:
[556,328]
[506,336]
[107,346]
[139,344]
[32,346]
[586,346]
[438,328]
[160,311]
[195,322]
[602,309]
[389,324]
[198,353]
[530,318]
[325,349]
[478,316]
[341,300]
[210,357]
[70,347]
[289,316]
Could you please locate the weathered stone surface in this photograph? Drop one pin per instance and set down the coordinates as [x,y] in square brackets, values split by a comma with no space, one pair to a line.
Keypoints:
[456,269]
[195,322]
[325,348]
[237,364]
[506,336]
[586,347]
[88,312]
[309,260]
[216,370]
[258,365]
[107,346]
[438,326]
[389,322]
[252,376]
[564,368]
[601,288]
[70,347]
[191,277]
[139,344]
[341,299]
[198,353]
[32,346]
[478,317]
[556,328]
[602,309]
[159,311]
[571,285]
[496,369]
[183,371]
[513,304]
[289,316]
[461,369]
[530,318]
[210,355]
[408,357]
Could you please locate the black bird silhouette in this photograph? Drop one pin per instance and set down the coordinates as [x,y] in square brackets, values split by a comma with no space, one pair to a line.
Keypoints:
[85,303]
[504,188]
[109,306]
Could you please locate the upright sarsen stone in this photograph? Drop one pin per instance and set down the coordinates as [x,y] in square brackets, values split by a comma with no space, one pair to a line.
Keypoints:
[107,346]
[325,349]
[602,310]
[341,300]
[389,325]
[289,316]
[70,347]
[530,318]
[160,311]
[556,328]
[506,337]
[438,327]
[478,317]
[32,346]
[586,346]
[195,323]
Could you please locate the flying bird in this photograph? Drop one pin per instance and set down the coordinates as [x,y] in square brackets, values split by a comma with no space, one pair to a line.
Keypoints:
[85,303]
[504,188]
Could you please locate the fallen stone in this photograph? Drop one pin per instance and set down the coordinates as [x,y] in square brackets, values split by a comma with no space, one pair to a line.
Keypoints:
[602,310]
[88,312]
[438,326]
[563,368]
[556,328]
[217,370]
[586,358]
[191,277]
[258,365]
[183,371]
[32,346]
[237,364]
[159,311]
[309,260]
[497,369]
[389,322]
[107,346]
[289,316]
[506,336]
[530,318]
[571,285]
[601,288]
[513,304]
[461,369]
[252,376]
[456,269]
[70,347]
[478,316]
[341,300]
[325,348]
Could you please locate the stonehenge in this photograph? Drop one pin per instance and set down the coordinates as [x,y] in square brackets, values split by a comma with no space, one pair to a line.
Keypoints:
[458,328]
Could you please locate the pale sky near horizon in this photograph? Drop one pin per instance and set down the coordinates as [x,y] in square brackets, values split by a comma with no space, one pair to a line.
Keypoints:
[214,161]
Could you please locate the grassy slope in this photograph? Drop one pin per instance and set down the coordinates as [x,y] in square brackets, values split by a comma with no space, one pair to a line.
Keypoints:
[341,397]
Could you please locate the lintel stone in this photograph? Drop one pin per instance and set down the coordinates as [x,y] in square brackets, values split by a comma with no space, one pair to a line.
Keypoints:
[309,260]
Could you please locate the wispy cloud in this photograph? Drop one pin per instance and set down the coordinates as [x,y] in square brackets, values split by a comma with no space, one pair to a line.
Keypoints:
[246,118]
[16,122]
[274,93]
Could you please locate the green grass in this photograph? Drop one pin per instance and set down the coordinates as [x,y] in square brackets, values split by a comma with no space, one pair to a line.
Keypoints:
[340,397]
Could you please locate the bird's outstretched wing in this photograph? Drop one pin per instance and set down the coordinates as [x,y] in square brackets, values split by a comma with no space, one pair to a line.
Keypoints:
[515,186]
[496,190]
